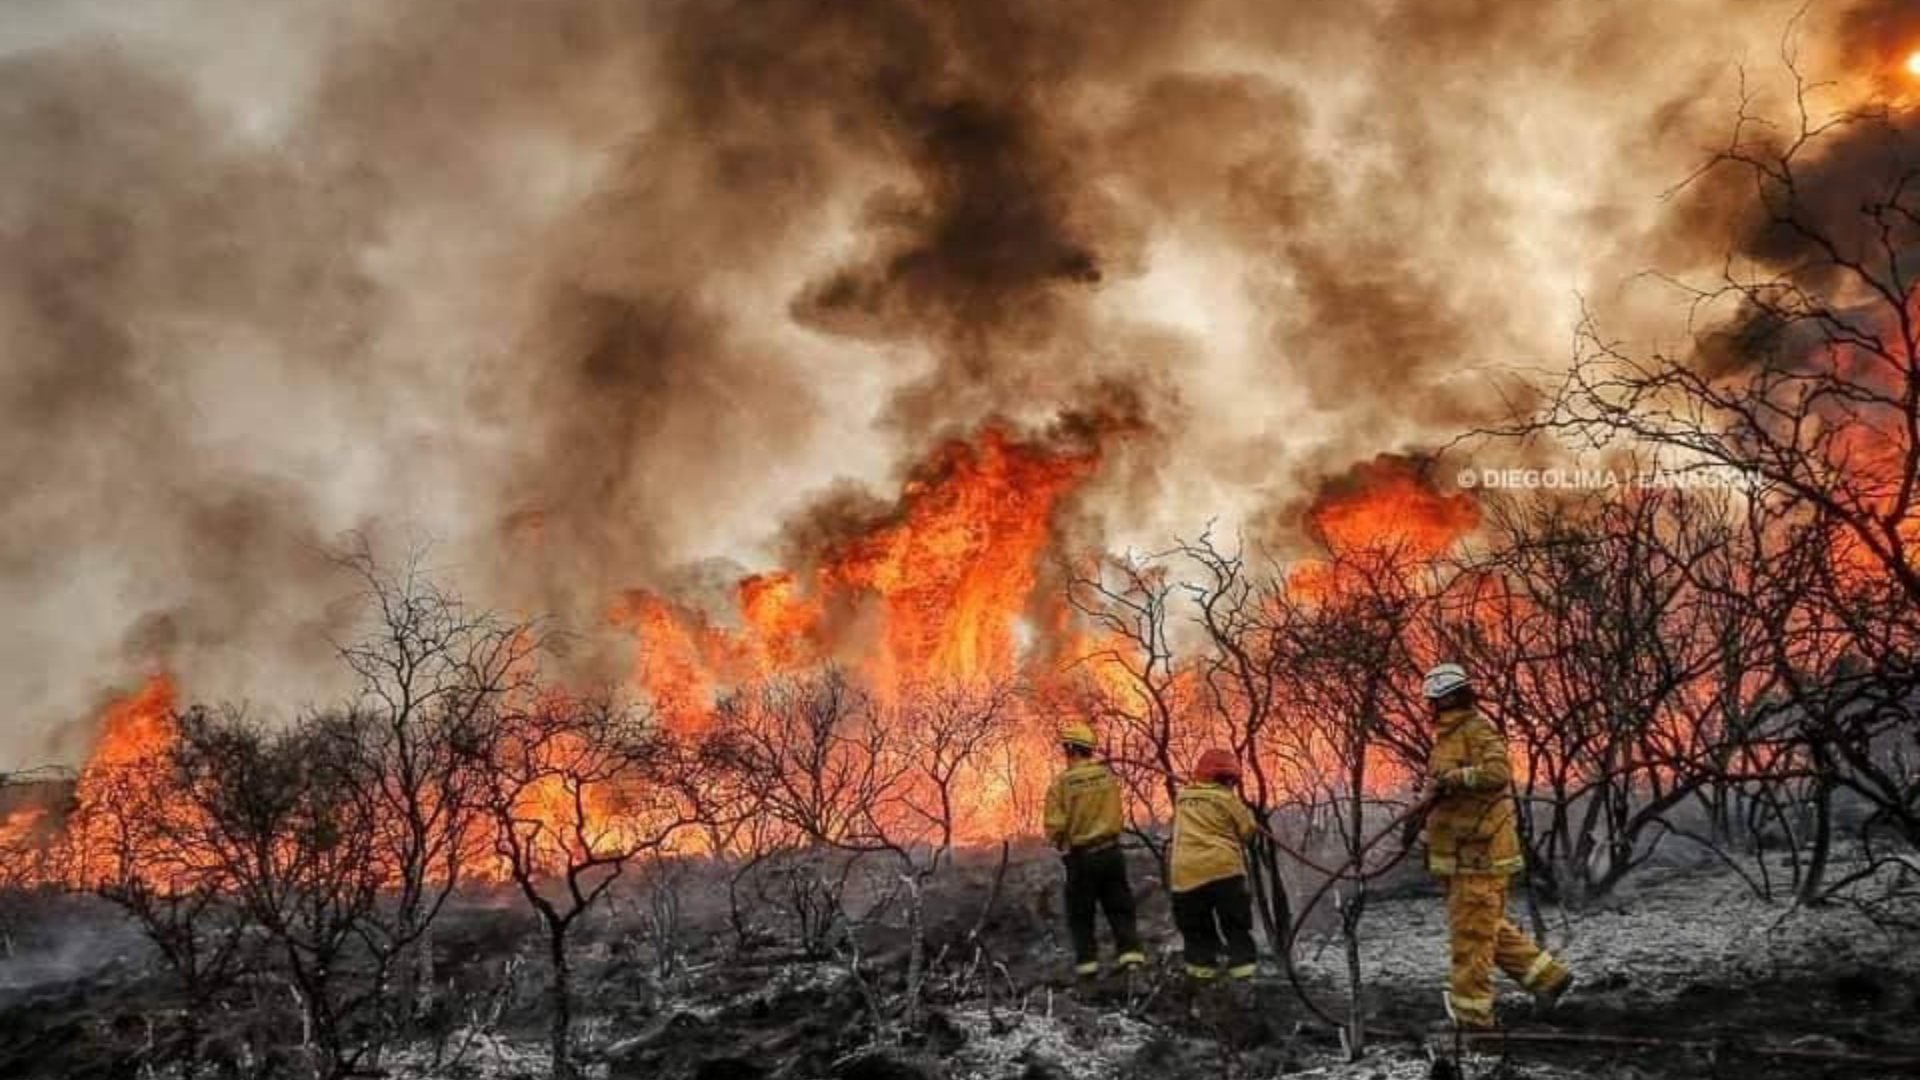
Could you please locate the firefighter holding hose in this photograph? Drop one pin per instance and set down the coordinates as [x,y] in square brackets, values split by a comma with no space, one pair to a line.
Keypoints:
[1083,821]
[1473,847]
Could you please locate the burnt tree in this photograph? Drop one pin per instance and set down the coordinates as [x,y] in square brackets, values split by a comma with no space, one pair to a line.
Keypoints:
[575,791]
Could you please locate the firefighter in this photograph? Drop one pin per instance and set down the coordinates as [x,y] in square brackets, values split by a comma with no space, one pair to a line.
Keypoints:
[1208,874]
[1083,821]
[1472,847]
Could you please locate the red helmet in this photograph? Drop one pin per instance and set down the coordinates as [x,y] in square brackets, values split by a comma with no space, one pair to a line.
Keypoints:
[1218,765]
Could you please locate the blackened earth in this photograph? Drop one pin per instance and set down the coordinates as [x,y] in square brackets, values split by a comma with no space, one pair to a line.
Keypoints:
[1683,973]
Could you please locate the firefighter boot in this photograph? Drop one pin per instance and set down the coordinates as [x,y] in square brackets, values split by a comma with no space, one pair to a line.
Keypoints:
[1545,1001]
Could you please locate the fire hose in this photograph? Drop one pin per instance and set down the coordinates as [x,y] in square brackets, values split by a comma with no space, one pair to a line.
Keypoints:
[1404,824]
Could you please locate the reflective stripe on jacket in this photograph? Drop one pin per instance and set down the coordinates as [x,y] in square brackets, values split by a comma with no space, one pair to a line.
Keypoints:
[1470,829]
[1083,807]
[1210,824]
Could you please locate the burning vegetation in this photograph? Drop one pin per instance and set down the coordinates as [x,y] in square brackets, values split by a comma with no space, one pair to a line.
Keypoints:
[835,764]
[935,591]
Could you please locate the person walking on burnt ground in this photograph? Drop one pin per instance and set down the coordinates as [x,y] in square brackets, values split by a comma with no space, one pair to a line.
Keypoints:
[1083,822]
[1473,848]
[1207,875]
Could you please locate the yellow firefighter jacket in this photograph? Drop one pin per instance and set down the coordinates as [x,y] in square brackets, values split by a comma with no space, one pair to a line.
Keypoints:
[1470,828]
[1083,807]
[1210,824]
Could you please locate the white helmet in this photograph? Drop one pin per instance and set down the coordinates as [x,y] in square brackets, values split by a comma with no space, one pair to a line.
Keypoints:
[1444,679]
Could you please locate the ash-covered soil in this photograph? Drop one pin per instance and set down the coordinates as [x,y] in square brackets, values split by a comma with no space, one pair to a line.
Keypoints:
[1684,973]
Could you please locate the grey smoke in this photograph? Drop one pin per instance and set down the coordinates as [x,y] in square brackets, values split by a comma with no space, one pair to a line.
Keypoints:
[592,290]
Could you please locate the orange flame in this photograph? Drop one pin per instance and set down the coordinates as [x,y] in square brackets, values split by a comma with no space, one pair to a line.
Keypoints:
[956,570]
[932,596]
[950,574]
[133,730]
[120,783]
[1382,517]
[1387,504]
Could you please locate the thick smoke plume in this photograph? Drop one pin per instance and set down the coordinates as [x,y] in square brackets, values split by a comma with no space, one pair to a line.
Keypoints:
[591,291]
[1853,139]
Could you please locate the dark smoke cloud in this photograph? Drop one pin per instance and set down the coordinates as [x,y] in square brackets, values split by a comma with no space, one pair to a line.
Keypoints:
[591,290]
[1850,202]
[977,234]
[984,227]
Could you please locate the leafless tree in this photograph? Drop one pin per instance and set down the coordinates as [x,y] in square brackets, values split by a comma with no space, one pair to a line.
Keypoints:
[28,842]
[1130,683]
[1735,730]
[148,861]
[946,727]
[1249,678]
[275,817]
[431,673]
[1348,643]
[719,798]
[844,774]
[816,748]
[1605,664]
[1803,379]
[575,792]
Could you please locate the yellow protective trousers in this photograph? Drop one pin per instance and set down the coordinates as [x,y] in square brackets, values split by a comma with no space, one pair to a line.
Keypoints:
[1483,938]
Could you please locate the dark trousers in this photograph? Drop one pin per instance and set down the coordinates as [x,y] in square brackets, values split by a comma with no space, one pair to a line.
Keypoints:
[1097,879]
[1214,918]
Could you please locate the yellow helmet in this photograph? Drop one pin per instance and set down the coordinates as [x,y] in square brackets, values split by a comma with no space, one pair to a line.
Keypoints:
[1077,734]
